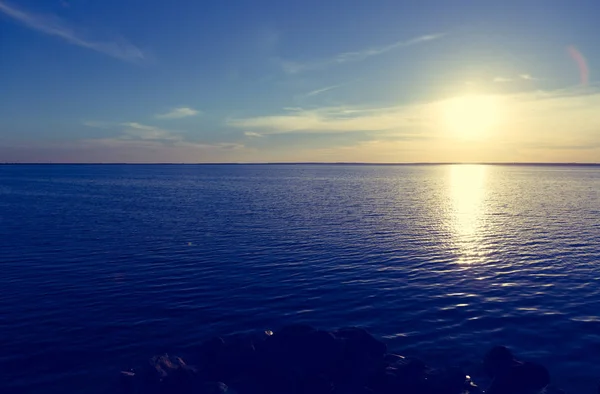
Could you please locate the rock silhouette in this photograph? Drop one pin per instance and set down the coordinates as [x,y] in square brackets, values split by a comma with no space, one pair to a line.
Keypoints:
[300,359]
[511,375]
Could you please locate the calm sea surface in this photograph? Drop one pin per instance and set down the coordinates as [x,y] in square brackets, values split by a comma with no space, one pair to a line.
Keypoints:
[104,266]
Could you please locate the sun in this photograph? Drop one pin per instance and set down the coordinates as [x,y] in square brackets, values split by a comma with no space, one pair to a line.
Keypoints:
[471,117]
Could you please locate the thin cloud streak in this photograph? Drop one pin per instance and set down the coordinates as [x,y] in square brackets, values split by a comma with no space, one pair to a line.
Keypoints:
[322,90]
[334,119]
[178,113]
[360,55]
[292,67]
[53,26]
[526,77]
[138,131]
[138,126]
[149,133]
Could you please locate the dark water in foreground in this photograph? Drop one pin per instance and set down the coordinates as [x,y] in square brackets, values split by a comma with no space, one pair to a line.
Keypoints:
[104,266]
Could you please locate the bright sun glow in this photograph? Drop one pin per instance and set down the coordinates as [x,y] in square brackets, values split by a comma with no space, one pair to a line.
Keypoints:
[471,117]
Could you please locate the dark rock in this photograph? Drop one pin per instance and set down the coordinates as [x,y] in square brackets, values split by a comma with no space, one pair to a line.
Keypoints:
[354,390]
[300,359]
[362,357]
[321,351]
[512,376]
[226,359]
[236,357]
[498,360]
[283,345]
[215,388]
[410,366]
[359,341]
[446,381]
[412,376]
[392,358]
[406,375]
[470,386]
[384,381]
[293,331]
[174,375]
[129,382]
[300,348]
[258,338]
[316,384]
[210,349]
[296,359]
[163,374]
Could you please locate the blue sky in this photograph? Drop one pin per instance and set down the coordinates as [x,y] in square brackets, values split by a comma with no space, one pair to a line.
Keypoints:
[263,81]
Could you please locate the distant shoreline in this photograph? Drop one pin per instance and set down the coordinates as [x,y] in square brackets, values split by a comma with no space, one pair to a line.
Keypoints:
[321,164]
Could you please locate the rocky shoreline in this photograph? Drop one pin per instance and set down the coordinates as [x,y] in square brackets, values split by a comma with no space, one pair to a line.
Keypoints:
[300,359]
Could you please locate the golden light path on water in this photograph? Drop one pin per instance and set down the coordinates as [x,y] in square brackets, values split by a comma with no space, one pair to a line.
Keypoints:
[466,213]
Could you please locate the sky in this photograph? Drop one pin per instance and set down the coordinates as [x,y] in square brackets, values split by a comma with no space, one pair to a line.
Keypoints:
[299,81]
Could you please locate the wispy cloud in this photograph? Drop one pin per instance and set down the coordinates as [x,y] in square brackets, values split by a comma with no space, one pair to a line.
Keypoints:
[137,142]
[374,51]
[138,126]
[292,67]
[252,134]
[178,113]
[134,130]
[526,77]
[53,26]
[333,119]
[138,131]
[322,90]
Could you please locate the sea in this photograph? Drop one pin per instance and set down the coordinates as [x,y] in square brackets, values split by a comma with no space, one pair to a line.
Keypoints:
[104,266]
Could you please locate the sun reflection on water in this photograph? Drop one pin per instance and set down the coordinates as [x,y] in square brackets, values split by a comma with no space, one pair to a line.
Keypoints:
[467,208]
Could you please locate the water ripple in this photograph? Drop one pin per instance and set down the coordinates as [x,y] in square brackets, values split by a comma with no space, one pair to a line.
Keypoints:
[105,265]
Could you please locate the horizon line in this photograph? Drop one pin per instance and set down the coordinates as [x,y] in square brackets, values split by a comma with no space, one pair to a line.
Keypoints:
[316,163]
